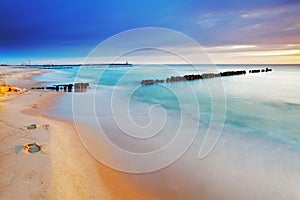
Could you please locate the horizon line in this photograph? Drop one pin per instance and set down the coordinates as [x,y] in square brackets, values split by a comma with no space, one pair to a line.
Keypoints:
[91,64]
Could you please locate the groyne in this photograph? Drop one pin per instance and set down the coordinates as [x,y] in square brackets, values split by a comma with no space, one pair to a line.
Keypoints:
[76,87]
[192,77]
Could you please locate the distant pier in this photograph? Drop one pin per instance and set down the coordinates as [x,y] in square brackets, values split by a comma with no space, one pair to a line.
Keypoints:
[70,66]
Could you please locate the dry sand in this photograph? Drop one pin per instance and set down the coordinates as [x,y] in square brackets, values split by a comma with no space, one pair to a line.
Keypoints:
[63,169]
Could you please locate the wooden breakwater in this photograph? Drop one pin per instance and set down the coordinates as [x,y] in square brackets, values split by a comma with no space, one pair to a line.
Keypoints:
[76,87]
[193,77]
[260,70]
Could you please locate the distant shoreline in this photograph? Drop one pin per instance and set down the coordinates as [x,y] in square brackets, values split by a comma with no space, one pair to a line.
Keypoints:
[68,65]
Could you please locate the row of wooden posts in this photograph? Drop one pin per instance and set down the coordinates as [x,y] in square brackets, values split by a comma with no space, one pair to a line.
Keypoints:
[78,87]
[192,77]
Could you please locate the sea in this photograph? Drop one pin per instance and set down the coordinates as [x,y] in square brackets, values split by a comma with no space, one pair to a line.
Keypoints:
[233,137]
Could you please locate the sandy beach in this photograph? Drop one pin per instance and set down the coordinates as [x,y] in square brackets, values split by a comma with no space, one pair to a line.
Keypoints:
[62,169]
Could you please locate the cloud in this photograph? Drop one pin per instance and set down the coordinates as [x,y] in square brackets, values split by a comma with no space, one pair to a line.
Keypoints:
[268,54]
[67,28]
[264,13]
[256,25]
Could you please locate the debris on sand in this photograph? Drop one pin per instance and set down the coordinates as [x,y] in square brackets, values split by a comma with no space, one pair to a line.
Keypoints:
[8,88]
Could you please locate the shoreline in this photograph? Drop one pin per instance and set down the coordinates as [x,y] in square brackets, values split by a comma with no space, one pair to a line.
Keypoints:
[58,171]
[64,169]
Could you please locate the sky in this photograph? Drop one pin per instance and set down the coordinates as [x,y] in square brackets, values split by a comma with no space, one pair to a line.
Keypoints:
[231,31]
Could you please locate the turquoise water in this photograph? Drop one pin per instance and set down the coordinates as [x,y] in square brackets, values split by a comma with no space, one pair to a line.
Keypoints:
[265,104]
[257,116]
